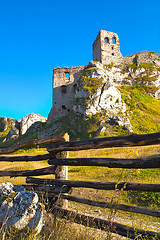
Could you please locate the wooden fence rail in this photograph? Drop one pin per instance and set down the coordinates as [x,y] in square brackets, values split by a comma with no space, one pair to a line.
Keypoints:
[58,187]
[27,158]
[106,225]
[125,186]
[142,163]
[33,143]
[136,163]
[59,143]
[48,189]
[120,141]
[25,173]
[126,208]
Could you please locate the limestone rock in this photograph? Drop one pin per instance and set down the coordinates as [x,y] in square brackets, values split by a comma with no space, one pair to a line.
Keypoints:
[9,127]
[143,57]
[13,133]
[110,99]
[19,208]
[3,124]
[123,121]
[29,120]
[15,128]
[105,98]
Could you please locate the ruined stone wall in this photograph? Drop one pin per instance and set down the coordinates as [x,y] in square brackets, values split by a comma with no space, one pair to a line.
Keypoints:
[106,48]
[97,49]
[143,57]
[64,86]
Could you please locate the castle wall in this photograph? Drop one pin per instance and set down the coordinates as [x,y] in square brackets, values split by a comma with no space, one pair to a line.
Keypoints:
[106,48]
[97,49]
[64,86]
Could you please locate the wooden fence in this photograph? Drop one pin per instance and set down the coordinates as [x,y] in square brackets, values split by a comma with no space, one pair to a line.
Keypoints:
[57,188]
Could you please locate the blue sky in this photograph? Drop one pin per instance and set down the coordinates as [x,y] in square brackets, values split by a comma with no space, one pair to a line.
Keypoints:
[38,35]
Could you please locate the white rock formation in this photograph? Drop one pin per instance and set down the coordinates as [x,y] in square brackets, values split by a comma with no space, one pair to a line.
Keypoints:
[106,98]
[19,208]
[15,127]
[29,120]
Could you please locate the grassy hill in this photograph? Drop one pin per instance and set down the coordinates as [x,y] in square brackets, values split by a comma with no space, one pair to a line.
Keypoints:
[144,109]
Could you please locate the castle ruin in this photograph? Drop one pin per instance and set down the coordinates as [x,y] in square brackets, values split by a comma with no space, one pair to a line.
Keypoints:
[64,86]
[106,50]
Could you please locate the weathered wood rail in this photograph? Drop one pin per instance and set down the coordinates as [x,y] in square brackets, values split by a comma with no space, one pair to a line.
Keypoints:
[57,188]
[36,142]
[97,185]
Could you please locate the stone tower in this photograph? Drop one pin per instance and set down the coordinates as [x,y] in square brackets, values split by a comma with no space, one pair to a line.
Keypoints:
[106,48]
[64,85]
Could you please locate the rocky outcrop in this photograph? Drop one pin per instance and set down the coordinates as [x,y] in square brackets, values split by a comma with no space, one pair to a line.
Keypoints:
[97,93]
[3,124]
[29,120]
[13,128]
[9,127]
[143,57]
[19,209]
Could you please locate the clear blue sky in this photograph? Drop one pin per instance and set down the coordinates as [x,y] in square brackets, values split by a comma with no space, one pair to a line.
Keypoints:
[38,35]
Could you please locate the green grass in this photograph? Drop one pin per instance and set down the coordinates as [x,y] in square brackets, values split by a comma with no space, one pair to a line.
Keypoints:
[143,108]
[91,84]
[148,66]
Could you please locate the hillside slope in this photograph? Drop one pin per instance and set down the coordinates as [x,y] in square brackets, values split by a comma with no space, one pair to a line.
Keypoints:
[114,99]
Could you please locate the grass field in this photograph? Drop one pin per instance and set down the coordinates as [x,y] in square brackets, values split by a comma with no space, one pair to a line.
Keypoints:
[101,174]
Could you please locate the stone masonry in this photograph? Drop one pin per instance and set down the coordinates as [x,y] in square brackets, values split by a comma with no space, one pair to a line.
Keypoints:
[64,86]
[106,48]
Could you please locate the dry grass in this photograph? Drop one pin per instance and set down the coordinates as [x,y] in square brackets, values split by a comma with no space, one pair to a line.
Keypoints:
[19,166]
[151,200]
[61,229]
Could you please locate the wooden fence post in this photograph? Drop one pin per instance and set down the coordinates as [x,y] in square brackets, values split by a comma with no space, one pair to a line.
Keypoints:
[61,173]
